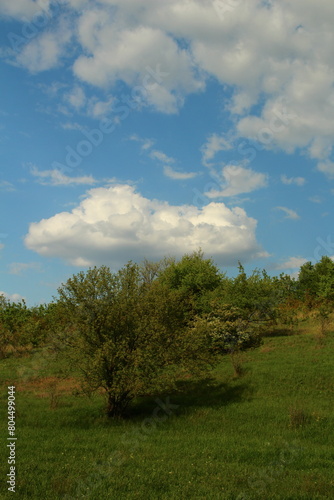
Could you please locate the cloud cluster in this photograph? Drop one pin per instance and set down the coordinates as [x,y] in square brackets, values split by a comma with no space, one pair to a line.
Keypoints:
[275,55]
[139,54]
[114,224]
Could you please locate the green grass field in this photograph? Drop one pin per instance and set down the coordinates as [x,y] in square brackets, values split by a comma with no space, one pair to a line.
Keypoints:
[268,434]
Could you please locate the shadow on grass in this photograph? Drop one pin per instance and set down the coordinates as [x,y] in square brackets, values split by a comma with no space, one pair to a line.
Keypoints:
[281,332]
[191,395]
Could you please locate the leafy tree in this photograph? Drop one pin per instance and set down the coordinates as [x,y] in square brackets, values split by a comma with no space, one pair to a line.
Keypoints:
[255,295]
[126,334]
[195,278]
[307,283]
[316,282]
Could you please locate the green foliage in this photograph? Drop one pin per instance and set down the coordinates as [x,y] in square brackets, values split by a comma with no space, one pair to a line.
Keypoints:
[257,295]
[127,335]
[316,282]
[194,277]
[229,330]
[20,326]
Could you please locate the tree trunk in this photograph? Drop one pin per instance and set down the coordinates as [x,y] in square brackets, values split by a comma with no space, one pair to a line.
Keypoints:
[116,406]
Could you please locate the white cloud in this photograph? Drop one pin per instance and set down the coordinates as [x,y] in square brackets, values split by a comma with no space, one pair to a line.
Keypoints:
[162,157]
[115,224]
[76,97]
[315,199]
[143,56]
[19,267]
[56,178]
[213,145]
[97,108]
[290,214]
[23,10]
[146,144]
[298,181]
[6,186]
[327,168]
[238,180]
[45,50]
[92,107]
[13,297]
[71,126]
[174,174]
[292,263]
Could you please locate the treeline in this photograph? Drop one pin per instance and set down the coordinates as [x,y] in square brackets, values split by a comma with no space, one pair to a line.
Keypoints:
[135,332]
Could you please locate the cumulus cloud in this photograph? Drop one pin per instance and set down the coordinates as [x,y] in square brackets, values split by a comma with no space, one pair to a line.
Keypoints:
[289,214]
[142,56]
[55,177]
[238,180]
[298,181]
[115,224]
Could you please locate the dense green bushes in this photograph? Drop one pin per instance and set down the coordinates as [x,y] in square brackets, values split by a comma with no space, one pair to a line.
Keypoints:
[134,332]
[21,327]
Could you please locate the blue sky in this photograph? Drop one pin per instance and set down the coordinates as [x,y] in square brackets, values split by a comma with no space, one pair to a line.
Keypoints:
[137,129]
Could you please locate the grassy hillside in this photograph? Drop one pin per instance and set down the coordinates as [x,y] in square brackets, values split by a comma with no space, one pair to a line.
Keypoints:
[267,434]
